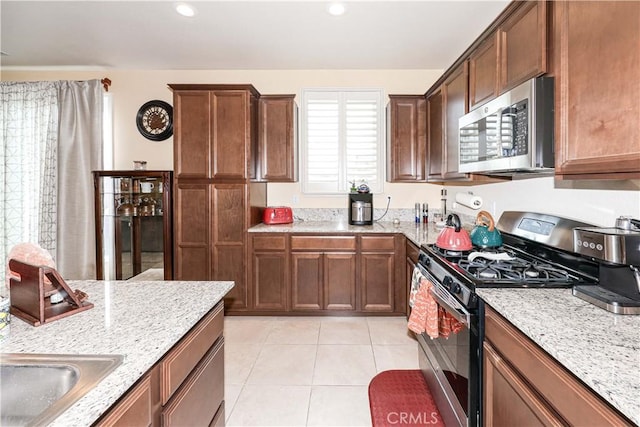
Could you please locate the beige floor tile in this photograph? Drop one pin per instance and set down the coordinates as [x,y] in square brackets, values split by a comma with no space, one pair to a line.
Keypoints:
[239,359]
[344,365]
[284,364]
[268,405]
[248,330]
[391,330]
[396,357]
[231,393]
[344,330]
[339,406]
[295,330]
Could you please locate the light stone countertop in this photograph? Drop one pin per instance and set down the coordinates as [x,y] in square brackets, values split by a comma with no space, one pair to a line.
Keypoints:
[141,321]
[418,233]
[600,348]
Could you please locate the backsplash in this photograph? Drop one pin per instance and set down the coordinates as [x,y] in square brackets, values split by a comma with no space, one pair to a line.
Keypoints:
[341,214]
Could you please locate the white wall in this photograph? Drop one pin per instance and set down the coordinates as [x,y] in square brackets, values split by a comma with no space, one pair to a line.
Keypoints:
[599,206]
[599,203]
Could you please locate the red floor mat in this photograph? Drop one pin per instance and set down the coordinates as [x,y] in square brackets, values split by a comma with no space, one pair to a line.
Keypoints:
[402,398]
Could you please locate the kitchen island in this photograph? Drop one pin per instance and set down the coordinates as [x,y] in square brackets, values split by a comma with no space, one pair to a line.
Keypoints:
[141,321]
[600,348]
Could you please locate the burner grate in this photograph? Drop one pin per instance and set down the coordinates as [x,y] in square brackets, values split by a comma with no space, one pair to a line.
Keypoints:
[516,270]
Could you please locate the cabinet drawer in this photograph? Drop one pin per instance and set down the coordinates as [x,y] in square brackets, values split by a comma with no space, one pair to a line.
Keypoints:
[268,243]
[323,243]
[573,401]
[198,400]
[378,243]
[183,358]
[134,409]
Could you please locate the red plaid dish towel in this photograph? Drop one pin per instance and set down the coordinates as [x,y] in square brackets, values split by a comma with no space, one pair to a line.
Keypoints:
[427,316]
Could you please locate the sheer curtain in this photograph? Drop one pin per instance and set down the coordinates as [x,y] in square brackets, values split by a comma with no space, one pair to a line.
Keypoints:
[50,141]
[28,142]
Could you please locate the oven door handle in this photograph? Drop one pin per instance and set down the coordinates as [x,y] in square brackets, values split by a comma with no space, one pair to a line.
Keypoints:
[446,301]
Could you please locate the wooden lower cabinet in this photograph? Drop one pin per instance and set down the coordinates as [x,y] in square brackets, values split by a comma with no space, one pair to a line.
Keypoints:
[137,407]
[328,273]
[185,388]
[523,385]
[323,275]
[411,261]
[269,277]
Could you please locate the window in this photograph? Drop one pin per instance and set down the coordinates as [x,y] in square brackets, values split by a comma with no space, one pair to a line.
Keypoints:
[342,140]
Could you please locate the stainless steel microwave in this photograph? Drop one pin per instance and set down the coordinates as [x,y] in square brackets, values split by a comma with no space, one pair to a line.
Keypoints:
[510,134]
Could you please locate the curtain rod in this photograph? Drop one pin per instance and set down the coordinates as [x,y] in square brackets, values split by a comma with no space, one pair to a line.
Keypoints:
[106,82]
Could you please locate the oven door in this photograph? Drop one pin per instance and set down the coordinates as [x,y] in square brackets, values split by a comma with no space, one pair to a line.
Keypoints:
[451,366]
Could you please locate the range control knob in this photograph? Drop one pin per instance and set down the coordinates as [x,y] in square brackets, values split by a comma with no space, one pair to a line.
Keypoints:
[451,285]
[424,260]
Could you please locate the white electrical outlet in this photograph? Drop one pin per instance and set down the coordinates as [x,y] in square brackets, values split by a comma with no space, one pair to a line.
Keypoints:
[295,199]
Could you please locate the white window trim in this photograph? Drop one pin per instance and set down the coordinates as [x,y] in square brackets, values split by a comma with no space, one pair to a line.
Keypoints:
[381,151]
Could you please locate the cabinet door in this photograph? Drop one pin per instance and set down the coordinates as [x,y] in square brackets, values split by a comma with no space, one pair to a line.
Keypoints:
[436,136]
[231,133]
[269,268]
[191,140]
[483,72]
[306,281]
[523,44]
[229,225]
[339,281]
[411,261]
[277,138]
[192,250]
[200,397]
[407,143]
[377,281]
[508,400]
[455,106]
[597,89]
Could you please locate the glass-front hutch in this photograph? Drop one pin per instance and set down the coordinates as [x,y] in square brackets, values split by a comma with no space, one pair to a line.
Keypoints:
[133,224]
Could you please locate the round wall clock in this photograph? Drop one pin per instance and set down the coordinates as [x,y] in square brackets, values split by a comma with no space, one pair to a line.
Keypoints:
[155,120]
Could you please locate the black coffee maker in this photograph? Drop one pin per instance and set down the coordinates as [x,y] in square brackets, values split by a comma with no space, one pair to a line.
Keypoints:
[616,251]
[360,208]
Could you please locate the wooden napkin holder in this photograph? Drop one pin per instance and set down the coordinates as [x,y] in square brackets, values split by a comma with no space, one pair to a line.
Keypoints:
[31,295]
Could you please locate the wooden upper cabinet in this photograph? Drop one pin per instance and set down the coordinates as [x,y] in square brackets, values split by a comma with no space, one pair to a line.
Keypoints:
[597,55]
[455,105]
[407,141]
[277,138]
[215,131]
[523,44]
[483,72]
[192,138]
[435,128]
[513,53]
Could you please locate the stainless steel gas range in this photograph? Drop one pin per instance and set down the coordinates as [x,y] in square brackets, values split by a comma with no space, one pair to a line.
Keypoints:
[537,252]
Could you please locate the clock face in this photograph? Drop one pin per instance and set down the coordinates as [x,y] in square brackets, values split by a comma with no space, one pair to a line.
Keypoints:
[155,120]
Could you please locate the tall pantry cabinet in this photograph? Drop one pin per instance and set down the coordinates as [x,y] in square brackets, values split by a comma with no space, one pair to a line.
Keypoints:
[215,196]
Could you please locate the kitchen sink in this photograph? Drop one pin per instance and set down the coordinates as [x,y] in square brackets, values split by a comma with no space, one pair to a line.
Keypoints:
[37,388]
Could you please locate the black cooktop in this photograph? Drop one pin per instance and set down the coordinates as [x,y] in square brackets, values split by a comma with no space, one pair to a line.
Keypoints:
[513,268]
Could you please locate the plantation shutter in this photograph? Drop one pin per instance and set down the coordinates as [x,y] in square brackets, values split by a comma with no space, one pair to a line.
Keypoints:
[342,140]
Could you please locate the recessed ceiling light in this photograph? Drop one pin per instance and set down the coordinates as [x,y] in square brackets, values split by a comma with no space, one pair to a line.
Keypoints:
[185,9]
[336,9]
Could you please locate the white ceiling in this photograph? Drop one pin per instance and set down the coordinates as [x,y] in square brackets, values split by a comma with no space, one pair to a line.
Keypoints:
[294,34]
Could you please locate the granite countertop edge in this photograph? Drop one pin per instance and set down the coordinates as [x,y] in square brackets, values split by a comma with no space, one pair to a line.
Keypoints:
[140,321]
[417,233]
[602,349]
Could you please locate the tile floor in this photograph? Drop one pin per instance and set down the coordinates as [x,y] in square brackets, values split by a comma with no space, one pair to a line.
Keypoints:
[314,371]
